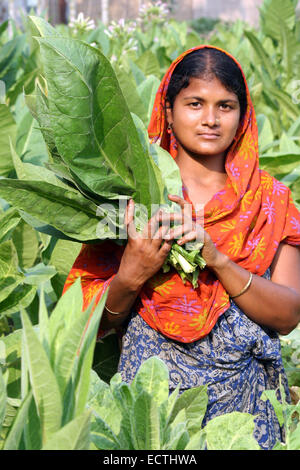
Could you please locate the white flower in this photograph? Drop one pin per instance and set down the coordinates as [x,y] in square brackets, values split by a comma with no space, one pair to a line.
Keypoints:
[81,23]
[153,12]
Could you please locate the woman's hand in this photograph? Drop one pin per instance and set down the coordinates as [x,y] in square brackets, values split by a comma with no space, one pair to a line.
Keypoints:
[190,231]
[145,252]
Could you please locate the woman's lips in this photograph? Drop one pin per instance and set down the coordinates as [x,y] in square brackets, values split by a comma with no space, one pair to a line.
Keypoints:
[209,136]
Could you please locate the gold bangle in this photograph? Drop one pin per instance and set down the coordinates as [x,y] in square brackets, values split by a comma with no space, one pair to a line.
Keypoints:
[113,313]
[244,288]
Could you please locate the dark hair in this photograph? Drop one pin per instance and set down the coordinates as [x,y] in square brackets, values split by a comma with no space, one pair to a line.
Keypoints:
[208,63]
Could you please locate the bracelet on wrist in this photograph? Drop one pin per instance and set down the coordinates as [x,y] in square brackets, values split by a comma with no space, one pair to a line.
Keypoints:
[110,311]
[244,288]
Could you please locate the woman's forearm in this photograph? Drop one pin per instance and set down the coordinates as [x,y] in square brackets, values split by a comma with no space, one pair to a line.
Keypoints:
[265,302]
[120,298]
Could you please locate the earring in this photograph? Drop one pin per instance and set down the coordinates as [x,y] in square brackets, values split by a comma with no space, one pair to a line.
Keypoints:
[169,129]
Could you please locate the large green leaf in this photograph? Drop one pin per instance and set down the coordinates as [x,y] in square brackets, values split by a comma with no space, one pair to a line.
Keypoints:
[133,99]
[10,276]
[64,255]
[231,431]
[272,12]
[103,437]
[10,414]
[92,144]
[8,221]
[107,426]
[7,130]
[3,398]
[294,438]
[146,422]
[147,92]
[12,344]
[197,441]
[30,144]
[290,50]
[62,258]
[23,83]
[261,54]
[177,432]
[285,102]
[276,159]
[43,381]
[294,128]
[32,172]
[40,27]
[44,335]
[32,428]
[153,378]
[38,105]
[20,297]
[85,359]
[194,402]
[9,59]
[101,146]
[38,274]
[73,436]
[68,306]
[12,441]
[124,397]
[65,210]
[26,243]
[149,64]
[265,133]
[66,354]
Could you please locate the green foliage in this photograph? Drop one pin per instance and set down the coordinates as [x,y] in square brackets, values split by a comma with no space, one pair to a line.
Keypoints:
[144,415]
[291,357]
[52,399]
[44,404]
[38,165]
[289,418]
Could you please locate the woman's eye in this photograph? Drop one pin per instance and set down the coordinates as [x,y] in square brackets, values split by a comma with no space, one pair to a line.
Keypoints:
[196,104]
[225,106]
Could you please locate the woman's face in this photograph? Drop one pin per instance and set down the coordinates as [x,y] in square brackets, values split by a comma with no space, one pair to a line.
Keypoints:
[205,117]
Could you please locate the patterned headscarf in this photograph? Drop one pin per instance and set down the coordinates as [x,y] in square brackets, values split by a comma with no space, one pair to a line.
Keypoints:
[246,220]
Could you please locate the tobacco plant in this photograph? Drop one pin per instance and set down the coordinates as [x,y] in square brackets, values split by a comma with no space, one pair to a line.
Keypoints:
[52,399]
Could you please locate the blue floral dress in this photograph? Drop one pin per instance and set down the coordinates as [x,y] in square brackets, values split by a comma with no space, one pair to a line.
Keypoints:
[237,360]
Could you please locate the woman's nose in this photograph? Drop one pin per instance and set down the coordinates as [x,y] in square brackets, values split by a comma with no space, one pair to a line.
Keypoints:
[210,118]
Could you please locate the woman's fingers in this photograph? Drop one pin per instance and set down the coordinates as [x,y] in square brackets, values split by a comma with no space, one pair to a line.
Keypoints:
[167,217]
[151,230]
[159,235]
[182,202]
[158,228]
[185,233]
[129,220]
[166,247]
[151,227]
[177,232]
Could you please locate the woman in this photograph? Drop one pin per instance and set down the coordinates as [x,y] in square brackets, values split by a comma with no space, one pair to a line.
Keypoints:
[203,115]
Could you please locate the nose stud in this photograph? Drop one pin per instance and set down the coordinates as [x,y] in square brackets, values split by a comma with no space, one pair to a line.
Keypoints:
[217,122]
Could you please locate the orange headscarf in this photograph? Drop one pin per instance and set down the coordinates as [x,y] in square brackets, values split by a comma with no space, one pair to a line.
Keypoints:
[246,220]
